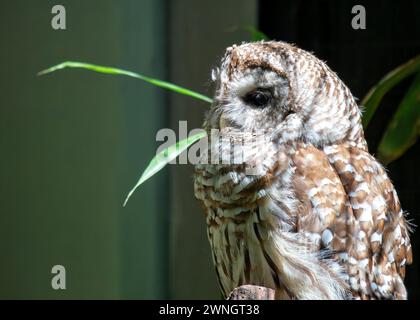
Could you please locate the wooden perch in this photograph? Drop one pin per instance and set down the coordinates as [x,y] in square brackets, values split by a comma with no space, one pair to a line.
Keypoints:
[250,292]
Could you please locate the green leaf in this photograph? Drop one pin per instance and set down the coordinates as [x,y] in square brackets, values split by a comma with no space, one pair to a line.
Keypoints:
[403,130]
[163,158]
[108,70]
[256,35]
[375,95]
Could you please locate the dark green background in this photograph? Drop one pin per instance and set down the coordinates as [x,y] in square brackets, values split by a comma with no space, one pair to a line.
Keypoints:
[72,143]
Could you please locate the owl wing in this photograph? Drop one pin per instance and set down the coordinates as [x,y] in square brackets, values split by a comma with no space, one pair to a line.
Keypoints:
[349,207]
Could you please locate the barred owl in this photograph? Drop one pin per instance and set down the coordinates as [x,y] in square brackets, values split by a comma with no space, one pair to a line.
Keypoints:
[317,216]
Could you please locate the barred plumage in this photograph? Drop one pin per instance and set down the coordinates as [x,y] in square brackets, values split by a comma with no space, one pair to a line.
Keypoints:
[310,213]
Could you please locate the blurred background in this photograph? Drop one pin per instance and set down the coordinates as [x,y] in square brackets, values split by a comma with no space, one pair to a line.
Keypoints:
[74,142]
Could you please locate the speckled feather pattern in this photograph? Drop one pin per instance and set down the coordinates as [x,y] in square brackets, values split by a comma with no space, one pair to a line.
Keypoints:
[321,219]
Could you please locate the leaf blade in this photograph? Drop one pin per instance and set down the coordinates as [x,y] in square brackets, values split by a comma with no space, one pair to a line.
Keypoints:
[116,71]
[162,159]
[403,130]
[256,35]
[372,99]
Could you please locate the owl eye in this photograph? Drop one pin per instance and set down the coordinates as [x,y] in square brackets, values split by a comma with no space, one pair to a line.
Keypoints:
[258,98]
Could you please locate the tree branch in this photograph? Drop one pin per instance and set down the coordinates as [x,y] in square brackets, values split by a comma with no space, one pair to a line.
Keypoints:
[251,292]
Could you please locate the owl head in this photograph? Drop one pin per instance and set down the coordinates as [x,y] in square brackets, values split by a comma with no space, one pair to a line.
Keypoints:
[278,89]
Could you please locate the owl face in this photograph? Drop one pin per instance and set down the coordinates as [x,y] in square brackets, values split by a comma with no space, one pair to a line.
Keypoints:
[277,89]
[257,102]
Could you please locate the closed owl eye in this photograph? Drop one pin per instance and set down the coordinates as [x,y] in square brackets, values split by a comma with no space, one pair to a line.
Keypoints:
[259,98]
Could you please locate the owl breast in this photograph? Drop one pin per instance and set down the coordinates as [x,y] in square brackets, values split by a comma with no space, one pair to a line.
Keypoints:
[239,221]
